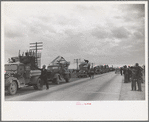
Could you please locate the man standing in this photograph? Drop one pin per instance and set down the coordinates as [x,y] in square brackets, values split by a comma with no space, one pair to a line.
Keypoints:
[136,75]
[121,70]
[129,74]
[44,76]
[125,72]
[143,73]
[92,72]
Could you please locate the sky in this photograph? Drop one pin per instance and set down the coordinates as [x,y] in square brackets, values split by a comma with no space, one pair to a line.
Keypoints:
[102,33]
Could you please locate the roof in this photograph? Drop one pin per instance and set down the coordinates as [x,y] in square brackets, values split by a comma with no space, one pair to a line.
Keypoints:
[54,66]
[14,63]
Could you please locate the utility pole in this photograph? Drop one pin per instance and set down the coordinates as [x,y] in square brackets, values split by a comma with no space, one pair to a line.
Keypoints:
[77,61]
[36,47]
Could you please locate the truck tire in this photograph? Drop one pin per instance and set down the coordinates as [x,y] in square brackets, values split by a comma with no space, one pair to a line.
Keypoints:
[39,84]
[12,89]
[67,80]
[53,81]
[57,81]
[35,87]
[67,77]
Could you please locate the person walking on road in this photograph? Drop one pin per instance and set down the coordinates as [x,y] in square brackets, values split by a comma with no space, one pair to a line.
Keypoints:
[43,76]
[89,73]
[92,73]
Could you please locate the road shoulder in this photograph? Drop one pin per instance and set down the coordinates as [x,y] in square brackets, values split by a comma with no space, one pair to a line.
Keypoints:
[127,94]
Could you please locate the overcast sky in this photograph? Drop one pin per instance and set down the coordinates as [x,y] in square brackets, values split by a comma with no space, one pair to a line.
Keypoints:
[101,33]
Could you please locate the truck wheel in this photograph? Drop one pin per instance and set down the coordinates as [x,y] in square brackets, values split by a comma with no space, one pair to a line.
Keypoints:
[35,87]
[53,81]
[57,81]
[67,80]
[12,89]
[39,84]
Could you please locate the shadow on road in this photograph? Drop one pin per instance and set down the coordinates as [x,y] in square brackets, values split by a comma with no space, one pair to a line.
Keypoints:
[30,89]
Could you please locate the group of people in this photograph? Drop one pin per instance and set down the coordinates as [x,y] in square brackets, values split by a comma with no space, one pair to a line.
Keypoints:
[133,74]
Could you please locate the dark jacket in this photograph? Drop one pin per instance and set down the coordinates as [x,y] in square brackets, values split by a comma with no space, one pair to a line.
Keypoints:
[92,71]
[43,73]
[129,72]
[125,71]
[136,72]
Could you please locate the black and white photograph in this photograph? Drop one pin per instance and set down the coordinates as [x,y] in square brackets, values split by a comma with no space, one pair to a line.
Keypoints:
[61,58]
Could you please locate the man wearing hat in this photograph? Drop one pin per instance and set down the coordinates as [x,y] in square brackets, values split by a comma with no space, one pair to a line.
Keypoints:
[125,72]
[136,76]
[44,76]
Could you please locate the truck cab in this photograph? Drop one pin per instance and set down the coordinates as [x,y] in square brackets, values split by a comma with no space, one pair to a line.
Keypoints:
[14,72]
[19,74]
[58,73]
[84,69]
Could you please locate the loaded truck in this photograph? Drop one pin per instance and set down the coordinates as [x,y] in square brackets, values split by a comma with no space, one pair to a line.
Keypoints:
[22,71]
[84,69]
[105,69]
[58,71]
[98,69]
[102,69]
[111,68]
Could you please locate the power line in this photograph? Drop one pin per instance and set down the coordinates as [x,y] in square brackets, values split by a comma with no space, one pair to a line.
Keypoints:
[77,61]
[37,47]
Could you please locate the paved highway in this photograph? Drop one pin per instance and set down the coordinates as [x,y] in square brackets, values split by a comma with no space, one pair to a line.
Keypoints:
[103,87]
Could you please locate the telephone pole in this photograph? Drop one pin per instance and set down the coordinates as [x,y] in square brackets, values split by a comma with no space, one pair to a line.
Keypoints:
[77,61]
[92,64]
[36,47]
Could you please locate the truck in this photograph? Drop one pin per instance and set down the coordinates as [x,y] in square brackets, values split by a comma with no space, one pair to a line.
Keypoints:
[106,69]
[111,69]
[98,69]
[22,71]
[84,68]
[58,71]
